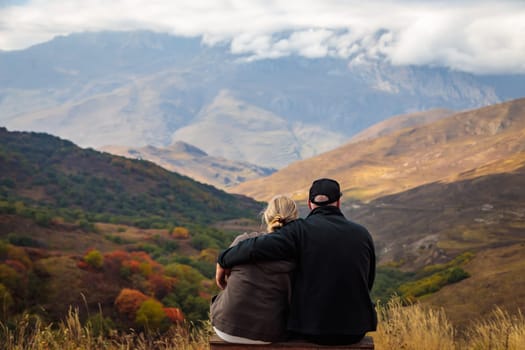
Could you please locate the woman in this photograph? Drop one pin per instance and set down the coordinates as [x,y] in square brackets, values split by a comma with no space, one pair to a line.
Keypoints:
[254,306]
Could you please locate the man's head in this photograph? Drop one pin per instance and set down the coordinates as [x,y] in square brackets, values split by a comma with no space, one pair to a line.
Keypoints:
[324,192]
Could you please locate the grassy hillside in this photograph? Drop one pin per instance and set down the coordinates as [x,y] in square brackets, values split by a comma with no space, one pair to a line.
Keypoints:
[421,233]
[399,122]
[124,241]
[496,280]
[409,157]
[42,170]
[434,222]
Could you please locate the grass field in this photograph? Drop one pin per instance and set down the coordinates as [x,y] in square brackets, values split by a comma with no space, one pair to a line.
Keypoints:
[400,327]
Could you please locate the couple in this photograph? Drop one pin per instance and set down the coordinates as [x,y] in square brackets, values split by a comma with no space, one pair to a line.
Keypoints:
[308,279]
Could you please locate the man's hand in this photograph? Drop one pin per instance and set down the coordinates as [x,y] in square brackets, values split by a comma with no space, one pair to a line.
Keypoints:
[221,275]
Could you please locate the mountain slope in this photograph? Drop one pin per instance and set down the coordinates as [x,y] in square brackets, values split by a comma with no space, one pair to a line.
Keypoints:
[410,157]
[496,280]
[43,170]
[434,222]
[141,88]
[395,123]
[234,129]
[191,161]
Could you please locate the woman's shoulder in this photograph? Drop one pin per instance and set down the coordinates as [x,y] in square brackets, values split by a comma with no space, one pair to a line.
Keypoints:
[244,236]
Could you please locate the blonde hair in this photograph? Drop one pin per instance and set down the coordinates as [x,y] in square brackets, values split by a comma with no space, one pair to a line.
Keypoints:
[280,211]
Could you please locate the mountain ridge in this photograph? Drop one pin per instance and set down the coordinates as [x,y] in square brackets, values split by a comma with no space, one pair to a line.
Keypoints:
[140,88]
[407,157]
[191,161]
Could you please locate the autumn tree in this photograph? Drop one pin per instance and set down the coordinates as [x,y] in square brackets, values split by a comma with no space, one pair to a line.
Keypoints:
[174,314]
[180,232]
[151,315]
[94,258]
[129,301]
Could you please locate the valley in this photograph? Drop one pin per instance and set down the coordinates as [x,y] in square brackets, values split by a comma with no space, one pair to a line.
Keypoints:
[442,194]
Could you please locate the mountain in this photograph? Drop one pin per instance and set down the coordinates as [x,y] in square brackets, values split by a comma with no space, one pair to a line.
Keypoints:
[44,171]
[466,144]
[143,88]
[442,199]
[193,162]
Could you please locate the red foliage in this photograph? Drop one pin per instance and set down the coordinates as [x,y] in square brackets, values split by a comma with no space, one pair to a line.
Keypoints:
[160,286]
[81,264]
[16,265]
[205,295]
[135,262]
[174,314]
[118,256]
[132,265]
[129,301]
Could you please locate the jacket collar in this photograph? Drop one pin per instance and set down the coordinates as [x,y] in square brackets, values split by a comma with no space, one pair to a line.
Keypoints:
[326,210]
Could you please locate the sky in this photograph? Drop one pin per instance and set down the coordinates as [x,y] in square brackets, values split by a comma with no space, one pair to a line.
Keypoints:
[475,36]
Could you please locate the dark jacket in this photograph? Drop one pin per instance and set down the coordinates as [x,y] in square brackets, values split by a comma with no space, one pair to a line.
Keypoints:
[334,274]
[255,304]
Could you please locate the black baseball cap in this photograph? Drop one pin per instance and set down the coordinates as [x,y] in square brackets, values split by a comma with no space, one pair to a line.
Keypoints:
[327,187]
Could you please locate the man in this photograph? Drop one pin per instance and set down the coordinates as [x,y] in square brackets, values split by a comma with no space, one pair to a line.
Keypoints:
[335,258]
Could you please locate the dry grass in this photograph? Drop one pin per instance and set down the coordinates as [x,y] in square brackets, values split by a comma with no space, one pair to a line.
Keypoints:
[417,327]
[500,331]
[31,334]
[411,327]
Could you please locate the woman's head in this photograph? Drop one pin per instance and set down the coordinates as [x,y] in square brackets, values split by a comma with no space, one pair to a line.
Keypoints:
[280,211]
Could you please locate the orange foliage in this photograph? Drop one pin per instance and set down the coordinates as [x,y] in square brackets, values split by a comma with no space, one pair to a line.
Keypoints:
[180,232]
[117,256]
[174,314]
[132,265]
[129,301]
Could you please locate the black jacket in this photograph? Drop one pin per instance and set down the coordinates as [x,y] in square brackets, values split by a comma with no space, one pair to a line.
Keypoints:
[334,274]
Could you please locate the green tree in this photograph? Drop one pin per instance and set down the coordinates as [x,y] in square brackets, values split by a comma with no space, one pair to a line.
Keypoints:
[151,315]
[94,258]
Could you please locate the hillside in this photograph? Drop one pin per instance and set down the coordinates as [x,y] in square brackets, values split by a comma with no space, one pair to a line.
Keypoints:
[129,243]
[42,170]
[496,280]
[191,161]
[395,123]
[433,223]
[410,157]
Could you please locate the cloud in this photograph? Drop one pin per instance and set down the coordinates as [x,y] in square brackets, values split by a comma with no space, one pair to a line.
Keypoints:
[473,36]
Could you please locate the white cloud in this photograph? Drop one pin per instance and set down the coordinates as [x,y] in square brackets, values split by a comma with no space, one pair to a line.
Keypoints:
[474,36]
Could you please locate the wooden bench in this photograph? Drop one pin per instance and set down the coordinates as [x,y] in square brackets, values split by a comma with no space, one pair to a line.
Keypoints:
[217,343]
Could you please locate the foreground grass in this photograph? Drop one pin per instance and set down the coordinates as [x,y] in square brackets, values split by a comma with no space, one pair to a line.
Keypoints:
[31,334]
[400,327]
[416,327]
